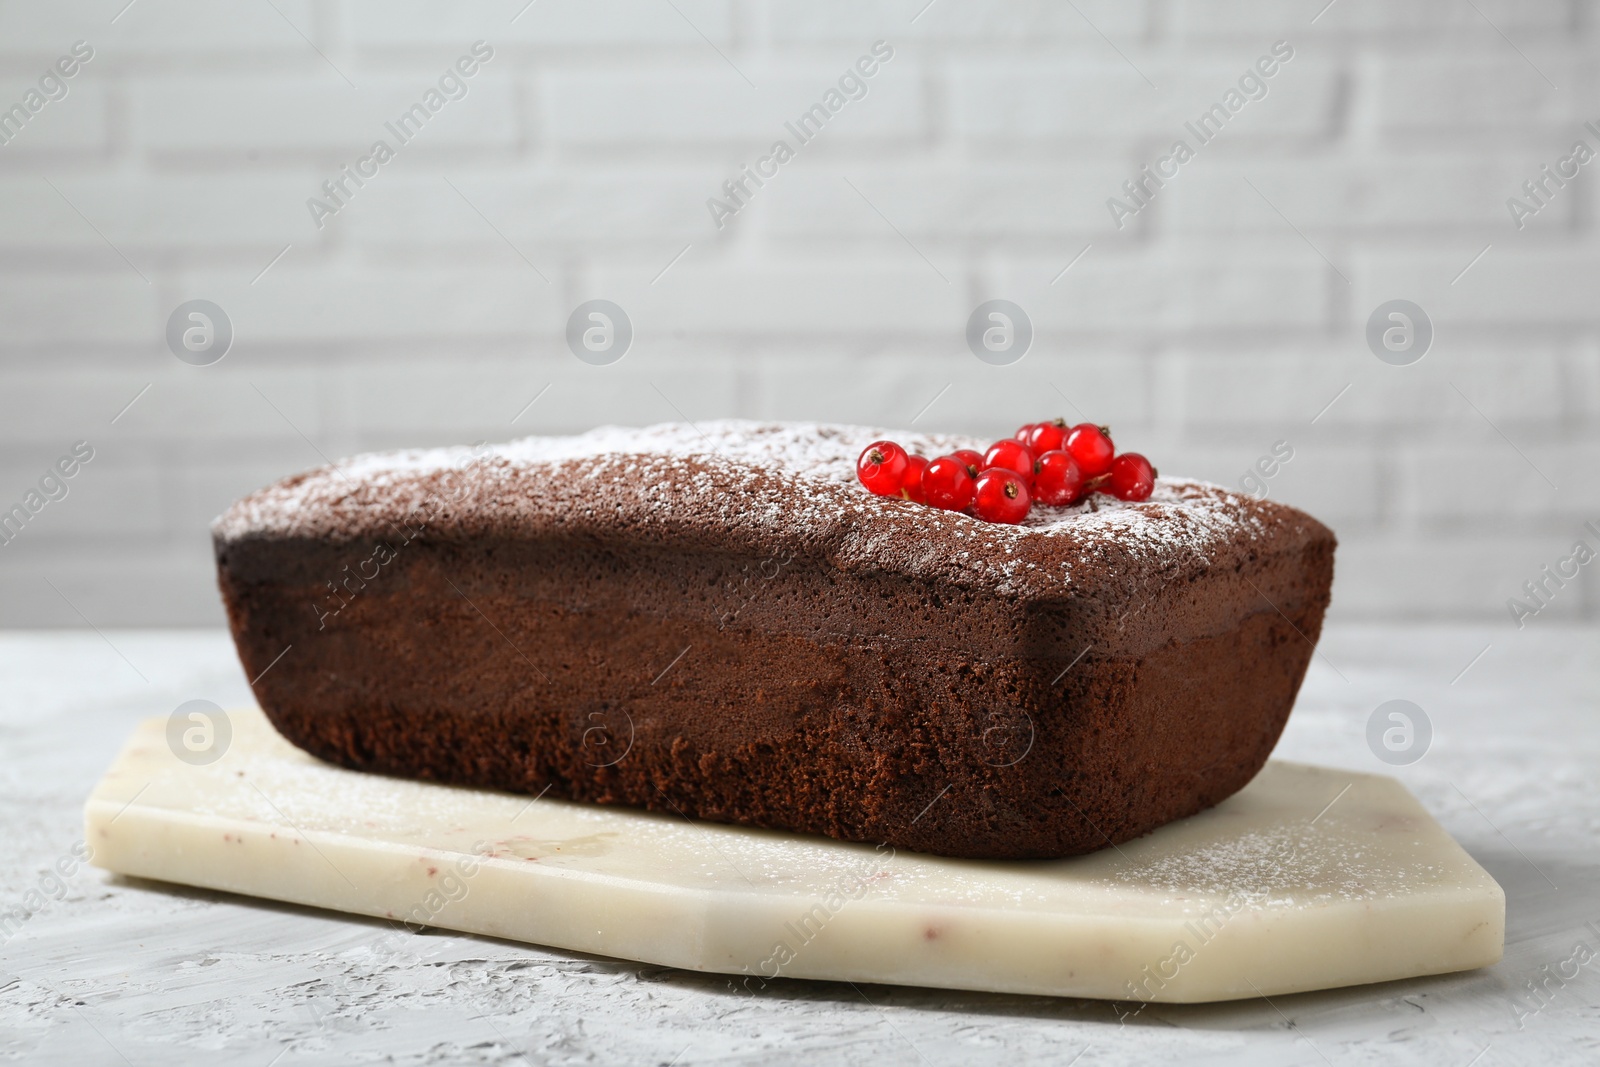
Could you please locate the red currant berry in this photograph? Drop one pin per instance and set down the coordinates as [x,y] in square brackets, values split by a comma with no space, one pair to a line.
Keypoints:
[1091,446]
[1132,477]
[1046,436]
[882,467]
[1024,432]
[1012,455]
[911,484]
[972,458]
[1001,496]
[1057,479]
[949,483]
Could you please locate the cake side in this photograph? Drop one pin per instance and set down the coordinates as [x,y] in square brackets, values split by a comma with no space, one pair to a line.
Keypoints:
[595,625]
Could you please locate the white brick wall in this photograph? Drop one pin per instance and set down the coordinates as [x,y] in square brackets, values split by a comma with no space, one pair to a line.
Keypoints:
[1221,319]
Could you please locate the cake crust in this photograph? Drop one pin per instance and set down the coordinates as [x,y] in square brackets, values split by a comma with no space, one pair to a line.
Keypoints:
[718,621]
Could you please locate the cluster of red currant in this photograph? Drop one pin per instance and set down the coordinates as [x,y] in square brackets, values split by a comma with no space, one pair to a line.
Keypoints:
[1044,462]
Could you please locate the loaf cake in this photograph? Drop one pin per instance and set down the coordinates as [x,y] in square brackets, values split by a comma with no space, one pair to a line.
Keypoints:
[718,622]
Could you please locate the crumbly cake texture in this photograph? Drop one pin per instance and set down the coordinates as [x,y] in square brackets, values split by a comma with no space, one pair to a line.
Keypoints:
[719,621]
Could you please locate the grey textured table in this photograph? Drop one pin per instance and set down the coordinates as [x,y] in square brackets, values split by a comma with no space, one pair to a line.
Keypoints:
[108,970]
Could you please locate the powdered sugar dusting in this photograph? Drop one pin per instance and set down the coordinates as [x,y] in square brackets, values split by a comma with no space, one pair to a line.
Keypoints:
[769,480]
[1289,864]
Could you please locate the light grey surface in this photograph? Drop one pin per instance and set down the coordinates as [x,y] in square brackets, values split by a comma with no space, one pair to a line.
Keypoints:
[1226,316]
[141,972]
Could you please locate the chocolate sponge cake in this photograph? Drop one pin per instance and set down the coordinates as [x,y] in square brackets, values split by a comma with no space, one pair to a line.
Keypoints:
[719,622]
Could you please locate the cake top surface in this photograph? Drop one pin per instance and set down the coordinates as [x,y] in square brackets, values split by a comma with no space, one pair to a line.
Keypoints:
[754,484]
